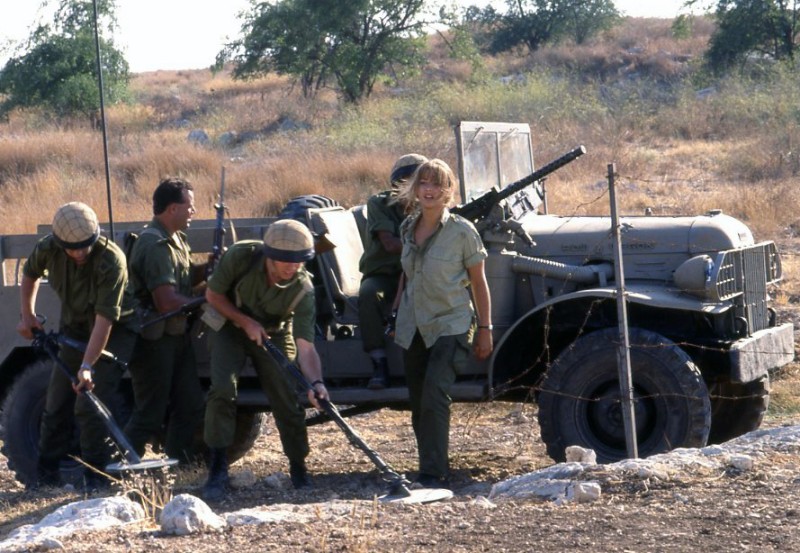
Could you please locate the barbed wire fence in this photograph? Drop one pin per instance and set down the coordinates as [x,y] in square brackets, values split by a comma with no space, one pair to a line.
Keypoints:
[728,407]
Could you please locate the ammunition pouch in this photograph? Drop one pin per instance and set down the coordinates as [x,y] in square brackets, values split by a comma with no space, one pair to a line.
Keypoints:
[173,326]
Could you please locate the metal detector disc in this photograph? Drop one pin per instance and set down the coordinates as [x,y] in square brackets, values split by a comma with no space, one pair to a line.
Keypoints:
[422,495]
[149,464]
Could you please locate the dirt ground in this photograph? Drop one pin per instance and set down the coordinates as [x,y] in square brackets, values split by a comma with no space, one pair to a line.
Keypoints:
[725,511]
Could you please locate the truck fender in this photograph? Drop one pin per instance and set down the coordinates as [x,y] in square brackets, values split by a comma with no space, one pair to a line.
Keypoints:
[524,335]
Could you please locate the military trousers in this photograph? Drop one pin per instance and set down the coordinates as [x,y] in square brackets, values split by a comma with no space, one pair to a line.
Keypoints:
[375,297]
[430,373]
[63,408]
[230,349]
[166,390]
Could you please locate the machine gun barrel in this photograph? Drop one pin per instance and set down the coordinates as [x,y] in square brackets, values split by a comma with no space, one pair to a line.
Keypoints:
[480,207]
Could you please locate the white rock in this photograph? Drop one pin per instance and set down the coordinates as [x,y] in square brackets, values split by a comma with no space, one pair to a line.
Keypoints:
[741,462]
[81,516]
[578,454]
[482,501]
[584,492]
[187,514]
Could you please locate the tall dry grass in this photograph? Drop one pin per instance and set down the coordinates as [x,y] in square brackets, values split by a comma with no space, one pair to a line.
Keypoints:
[631,96]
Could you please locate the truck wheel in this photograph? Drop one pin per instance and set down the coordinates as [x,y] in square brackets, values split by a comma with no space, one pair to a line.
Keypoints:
[22,414]
[248,429]
[579,403]
[297,208]
[737,408]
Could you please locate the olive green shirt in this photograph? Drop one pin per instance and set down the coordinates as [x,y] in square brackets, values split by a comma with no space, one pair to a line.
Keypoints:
[95,288]
[436,301]
[158,259]
[242,277]
[383,214]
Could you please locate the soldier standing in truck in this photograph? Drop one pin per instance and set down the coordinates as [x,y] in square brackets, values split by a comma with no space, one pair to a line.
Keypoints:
[380,266]
[262,291]
[164,373]
[443,257]
[88,273]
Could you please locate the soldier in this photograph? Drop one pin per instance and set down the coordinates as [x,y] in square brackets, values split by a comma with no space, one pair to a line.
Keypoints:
[264,292]
[87,272]
[442,254]
[164,375]
[380,267]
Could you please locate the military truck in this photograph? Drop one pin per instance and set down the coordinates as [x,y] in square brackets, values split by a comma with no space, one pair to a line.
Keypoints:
[703,336]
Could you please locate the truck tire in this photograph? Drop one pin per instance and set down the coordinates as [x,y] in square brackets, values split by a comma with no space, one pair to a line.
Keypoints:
[248,429]
[737,408]
[22,414]
[297,208]
[579,403]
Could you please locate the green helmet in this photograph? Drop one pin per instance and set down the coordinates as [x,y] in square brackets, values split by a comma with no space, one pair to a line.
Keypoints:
[289,241]
[404,167]
[75,226]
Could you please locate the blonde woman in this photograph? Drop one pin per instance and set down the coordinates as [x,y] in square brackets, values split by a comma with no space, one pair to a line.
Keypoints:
[443,258]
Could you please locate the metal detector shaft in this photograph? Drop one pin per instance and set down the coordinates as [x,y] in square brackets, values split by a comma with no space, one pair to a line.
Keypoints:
[389,475]
[47,342]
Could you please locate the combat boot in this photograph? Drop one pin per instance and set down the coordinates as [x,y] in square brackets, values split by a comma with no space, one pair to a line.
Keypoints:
[47,473]
[380,374]
[217,484]
[299,475]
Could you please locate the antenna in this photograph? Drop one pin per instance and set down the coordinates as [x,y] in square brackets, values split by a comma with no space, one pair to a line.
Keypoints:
[103,121]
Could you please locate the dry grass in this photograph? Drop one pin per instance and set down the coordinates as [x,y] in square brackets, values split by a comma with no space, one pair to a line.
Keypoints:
[628,96]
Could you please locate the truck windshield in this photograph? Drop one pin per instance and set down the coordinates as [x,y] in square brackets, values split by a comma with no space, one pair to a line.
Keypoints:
[495,155]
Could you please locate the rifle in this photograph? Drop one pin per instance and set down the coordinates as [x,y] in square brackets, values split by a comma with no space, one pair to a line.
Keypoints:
[480,207]
[219,228]
[184,309]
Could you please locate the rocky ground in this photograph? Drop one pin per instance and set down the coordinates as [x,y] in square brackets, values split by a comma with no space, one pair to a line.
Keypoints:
[700,508]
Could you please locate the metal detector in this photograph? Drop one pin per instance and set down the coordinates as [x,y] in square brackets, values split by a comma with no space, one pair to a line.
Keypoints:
[49,343]
[398,490]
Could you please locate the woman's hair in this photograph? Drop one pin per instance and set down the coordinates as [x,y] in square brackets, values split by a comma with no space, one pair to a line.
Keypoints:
[434,170]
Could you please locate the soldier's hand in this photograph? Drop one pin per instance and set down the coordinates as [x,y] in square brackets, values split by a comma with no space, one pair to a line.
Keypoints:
[26,325]
[317,392]
[483,344]
[390,324]
[84,380]
[254,331]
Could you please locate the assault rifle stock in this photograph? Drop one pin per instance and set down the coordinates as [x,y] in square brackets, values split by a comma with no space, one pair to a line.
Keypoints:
[480,207]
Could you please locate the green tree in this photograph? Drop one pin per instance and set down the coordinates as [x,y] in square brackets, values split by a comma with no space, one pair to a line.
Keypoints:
[533,23]
[765,28]
[58,70]
[352,42]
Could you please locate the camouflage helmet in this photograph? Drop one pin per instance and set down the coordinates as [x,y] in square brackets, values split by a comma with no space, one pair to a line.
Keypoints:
[75,226]
[289,241]
[404,167]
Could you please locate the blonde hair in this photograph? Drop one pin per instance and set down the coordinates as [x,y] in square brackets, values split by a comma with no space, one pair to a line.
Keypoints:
[434,170]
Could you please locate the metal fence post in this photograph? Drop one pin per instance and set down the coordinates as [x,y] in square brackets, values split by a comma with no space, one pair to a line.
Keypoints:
[623,348]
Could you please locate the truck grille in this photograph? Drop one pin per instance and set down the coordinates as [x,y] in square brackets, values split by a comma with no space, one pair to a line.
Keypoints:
[743,276]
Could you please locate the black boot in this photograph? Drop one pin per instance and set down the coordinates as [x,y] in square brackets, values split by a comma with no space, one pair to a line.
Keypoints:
[94,481]
[217,483]
[380,374]
[299,475]
[48,473]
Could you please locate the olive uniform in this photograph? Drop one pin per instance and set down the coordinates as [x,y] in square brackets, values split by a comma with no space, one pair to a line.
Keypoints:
[285,310]
[164,374]
[96,287]
[380,269]
[435,327]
